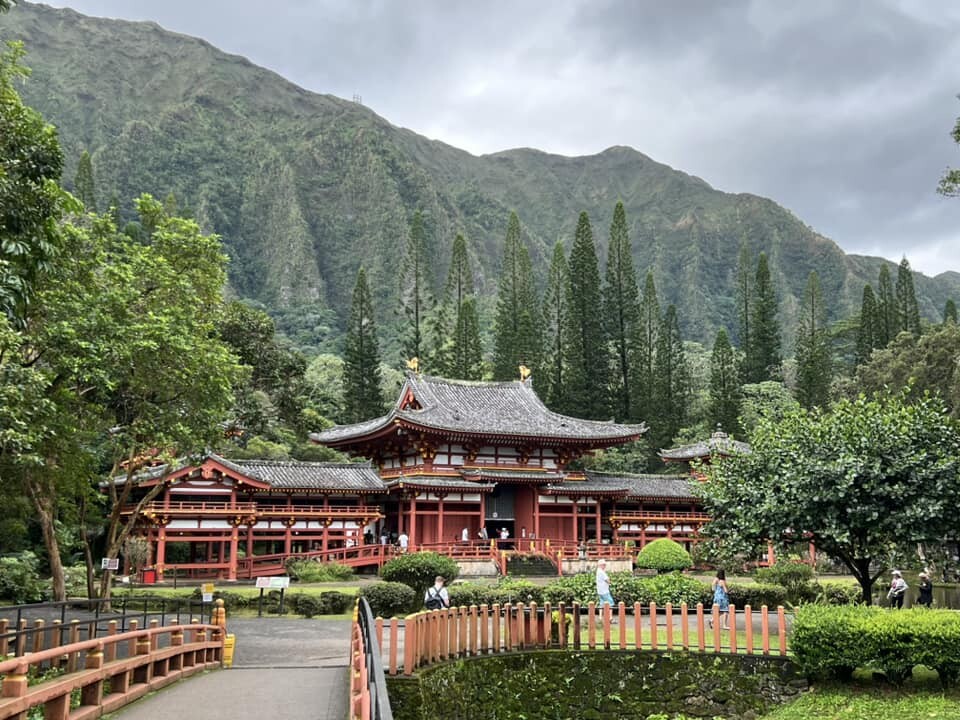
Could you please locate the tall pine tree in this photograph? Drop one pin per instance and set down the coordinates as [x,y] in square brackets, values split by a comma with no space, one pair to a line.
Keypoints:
[552,381]
[467,351]
[517,334]
[671,394]
[452,342]
[868,332]
[762,361]
[587,352]
[813,348]
[83,183]
[648,329]
[621,311]
[416,293]
[362,397]
[726,395]
[950,312]
[908,312]
[744,294]
[887,323]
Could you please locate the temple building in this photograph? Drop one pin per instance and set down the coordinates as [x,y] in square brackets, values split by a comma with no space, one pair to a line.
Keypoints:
[453,464]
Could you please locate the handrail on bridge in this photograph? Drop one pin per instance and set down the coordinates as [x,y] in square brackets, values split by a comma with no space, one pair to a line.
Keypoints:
[368,684]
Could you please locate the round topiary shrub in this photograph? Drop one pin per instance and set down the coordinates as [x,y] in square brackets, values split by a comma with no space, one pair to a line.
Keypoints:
[419,570]
[390,598]
[664,555]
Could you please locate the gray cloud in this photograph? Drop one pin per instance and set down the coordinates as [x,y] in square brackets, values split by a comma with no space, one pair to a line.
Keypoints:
[838,110]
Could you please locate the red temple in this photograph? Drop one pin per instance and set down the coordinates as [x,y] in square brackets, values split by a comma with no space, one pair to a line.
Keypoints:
[455,464]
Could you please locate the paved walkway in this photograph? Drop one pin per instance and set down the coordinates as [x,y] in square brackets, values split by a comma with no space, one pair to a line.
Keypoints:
[291,669]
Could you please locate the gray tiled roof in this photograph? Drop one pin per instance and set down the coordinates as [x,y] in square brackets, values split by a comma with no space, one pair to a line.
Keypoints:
[158,471]
[442,482]
[665,486]
[719,444]
[294,475]
[486,408]
[507,474]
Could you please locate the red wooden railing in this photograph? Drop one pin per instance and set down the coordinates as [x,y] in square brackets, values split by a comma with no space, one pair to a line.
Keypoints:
[430,637]
[154,657]
[259,509]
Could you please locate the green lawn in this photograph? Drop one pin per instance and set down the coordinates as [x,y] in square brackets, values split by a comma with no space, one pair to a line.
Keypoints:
[244,590]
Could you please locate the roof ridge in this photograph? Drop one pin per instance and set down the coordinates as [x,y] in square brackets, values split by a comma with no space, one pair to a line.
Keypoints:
[468,383]
[304,463]
[642,476]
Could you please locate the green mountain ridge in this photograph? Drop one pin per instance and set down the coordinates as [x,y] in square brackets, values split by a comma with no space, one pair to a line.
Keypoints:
[305,187]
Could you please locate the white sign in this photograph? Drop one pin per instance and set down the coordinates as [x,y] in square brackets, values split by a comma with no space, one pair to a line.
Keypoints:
[110,564]
[206,591]
[273,583]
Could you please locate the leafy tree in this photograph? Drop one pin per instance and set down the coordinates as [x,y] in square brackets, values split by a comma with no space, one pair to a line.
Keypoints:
[517,332]
[83,183]
[31,199]
[762,361]
[768,399]
[649,329]
[927,363]
[587,352]
[868,331]
[416,293]
[621,311]
[553,383]
[887,324]
[671,393]
[813,348]
[950,312]
[908,313]
[725,392]
[858,481]
[362,399]
[950,182]
[664,556]
[418,571]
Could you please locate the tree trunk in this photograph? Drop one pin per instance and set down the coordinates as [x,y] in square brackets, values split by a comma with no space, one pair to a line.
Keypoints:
[87,549]
[44,503]
[862,573]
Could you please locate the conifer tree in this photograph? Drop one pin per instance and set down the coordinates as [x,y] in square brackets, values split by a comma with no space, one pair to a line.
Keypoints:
[745,273]
[950,312]
[671,392]
[621,310]
[517,338]
[416,295]
[725,391]
[587,352]
[362,397]
[552,382]
[813,348]
[908,312]
[886,308]
[762,361]
[868,332]
[649,323]
[83,183]
[467,352]
[445,321]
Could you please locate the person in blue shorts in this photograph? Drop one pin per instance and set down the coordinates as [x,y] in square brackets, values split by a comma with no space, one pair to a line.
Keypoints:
[721,599]
[603,583]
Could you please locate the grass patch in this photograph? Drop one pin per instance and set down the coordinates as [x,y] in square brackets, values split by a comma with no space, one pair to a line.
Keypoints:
[245,591]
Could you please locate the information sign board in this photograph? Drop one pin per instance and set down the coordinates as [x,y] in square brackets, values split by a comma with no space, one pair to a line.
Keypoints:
[281,582]
[110,564]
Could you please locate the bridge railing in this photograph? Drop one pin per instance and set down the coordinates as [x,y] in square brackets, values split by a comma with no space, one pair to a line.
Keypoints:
[86,679]
[368,685]
[436,636]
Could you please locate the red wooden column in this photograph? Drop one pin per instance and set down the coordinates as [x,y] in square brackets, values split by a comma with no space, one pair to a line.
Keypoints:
[576,521]
[598,521]
[483,510]
[234,545]
[288,524]
[325,542]
[440,517]
[161,557]
[413,520]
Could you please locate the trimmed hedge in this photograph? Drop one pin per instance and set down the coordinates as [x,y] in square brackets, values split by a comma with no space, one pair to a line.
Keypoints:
[390,598]
[832,642]
[625,587]
[664,555]
[418,570]
[310,571]
[756,595]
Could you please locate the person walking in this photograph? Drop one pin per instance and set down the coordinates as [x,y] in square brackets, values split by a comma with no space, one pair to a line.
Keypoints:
[436,597]
[926,590]
[721,598]
[603,584]
[897,591]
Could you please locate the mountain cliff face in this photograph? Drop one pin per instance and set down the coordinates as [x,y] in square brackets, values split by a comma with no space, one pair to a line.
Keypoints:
[305,187]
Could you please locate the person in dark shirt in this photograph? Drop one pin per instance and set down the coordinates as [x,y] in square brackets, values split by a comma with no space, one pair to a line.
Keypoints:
[926,590]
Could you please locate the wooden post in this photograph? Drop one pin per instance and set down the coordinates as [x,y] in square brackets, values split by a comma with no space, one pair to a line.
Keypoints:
[472,639]
[748,623]
[576,626]
[653,626]
[607,623]
[733,629]
[684,627]
[562,630]
[111,653]
[463,645]
[409,644]
[701,635]
[782,629]
[547,625]
[592,625]
[38,635]
[484,629]
[715,623]
[4,643]
[669,611]
[622,617]
[92,694]
[637,625]
[765,629]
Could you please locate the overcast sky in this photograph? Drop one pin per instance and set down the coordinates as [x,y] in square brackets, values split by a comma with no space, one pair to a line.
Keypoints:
[840,111]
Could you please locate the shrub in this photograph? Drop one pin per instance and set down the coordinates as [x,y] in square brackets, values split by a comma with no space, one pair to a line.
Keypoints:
[75,578]
[837,593]
[391,598]
[336,603]
[509,590]
[419,570]
[467,594]
[795,576]
[303,604]
[664,555]
[20,579]
[757,594]
[673,588]
[310,571]
[572,588]
[831,642]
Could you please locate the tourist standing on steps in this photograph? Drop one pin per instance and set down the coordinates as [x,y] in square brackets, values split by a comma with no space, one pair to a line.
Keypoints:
[926,590]
[465,535]
[721,598]
[603,584]
[403,540]
[898,589]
